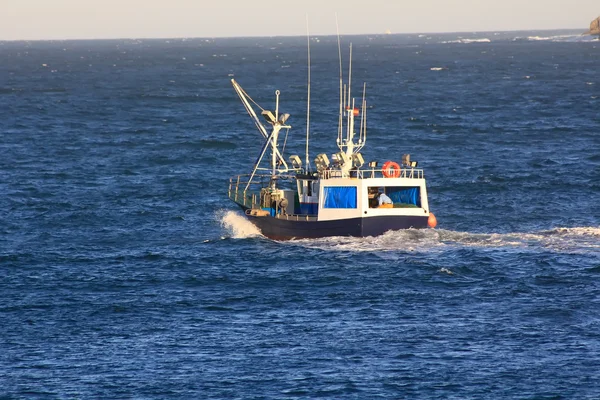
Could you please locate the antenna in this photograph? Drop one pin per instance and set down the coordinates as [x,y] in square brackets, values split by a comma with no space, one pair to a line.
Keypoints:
[362,138]
[350,76]
[308,98]
[340,140]
[350,114]
[341,81]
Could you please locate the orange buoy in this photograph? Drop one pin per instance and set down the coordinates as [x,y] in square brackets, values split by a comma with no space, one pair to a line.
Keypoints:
[431,221]
[355,111]
[391,169]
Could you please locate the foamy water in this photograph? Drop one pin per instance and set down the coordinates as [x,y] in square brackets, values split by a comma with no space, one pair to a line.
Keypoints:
[568,240]
[559,38]
[237,225]
[468,41]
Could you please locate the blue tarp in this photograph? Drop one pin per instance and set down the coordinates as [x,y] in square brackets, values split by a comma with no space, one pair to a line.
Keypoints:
[339,197]
[406,196]
[309,208]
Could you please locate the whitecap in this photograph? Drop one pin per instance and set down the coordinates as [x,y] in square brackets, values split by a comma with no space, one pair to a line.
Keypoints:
[536,38]
[577,231]
[468,41]
[237,225]
[558,38]
[483,40]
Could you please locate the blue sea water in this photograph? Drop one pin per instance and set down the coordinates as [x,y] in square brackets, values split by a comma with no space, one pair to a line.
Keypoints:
[125,272]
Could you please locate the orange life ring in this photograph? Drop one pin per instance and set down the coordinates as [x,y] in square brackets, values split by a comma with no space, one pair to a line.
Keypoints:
[391,169]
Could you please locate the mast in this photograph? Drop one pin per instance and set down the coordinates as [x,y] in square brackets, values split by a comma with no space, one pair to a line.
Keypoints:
[340,122]
[350,111]
[362,136]
[350,76]
[275,134]
[306,168]
[347,145]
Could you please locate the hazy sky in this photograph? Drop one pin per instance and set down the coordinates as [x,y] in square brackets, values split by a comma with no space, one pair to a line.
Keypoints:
[70,19]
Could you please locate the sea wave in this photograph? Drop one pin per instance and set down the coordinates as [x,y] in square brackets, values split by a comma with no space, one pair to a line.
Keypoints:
[4,90]
[217,144]
[236,225]
[468,41]
[556,38]
[587,231]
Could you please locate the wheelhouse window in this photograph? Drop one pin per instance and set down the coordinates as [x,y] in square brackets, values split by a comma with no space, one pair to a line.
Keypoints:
[395,196]
[340,197]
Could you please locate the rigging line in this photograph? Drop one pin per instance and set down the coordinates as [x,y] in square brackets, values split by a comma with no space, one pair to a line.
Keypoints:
[259,159]
[287,131]
[308,97]
[251,113]
[252,100]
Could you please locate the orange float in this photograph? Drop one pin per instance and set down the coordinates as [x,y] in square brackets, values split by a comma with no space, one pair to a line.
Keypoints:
[391,169]
[355,111]
[432,221]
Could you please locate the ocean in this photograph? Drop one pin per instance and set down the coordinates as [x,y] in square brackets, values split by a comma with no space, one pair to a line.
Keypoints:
[126,272]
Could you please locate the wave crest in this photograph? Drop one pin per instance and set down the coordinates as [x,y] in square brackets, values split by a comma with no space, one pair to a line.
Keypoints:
[237,225]
[468,41]
[557,38]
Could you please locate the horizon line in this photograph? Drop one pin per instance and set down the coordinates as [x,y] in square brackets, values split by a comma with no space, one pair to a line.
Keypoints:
[288,36]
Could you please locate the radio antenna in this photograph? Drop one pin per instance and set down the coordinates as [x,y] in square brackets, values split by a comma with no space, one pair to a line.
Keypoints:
[341,81]
[308,98]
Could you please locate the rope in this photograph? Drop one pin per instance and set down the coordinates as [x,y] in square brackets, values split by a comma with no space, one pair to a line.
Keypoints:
[287,131]
[285,141]
[251,99]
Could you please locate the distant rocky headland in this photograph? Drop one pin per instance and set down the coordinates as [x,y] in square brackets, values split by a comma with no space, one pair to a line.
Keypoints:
[594,27]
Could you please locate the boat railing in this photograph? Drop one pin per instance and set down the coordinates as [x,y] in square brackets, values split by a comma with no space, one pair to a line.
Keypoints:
[296,217]
[243,191]
[237,190]
[407,173]
[246,192]
[250,197]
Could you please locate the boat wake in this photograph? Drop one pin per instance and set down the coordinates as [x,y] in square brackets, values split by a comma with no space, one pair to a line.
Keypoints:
[564,240]
[584,240]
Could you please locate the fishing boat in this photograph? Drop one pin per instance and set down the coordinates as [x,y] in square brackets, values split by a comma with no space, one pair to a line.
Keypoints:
[340,195]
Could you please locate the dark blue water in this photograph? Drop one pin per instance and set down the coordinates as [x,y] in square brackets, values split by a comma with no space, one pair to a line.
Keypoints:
[125,272]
